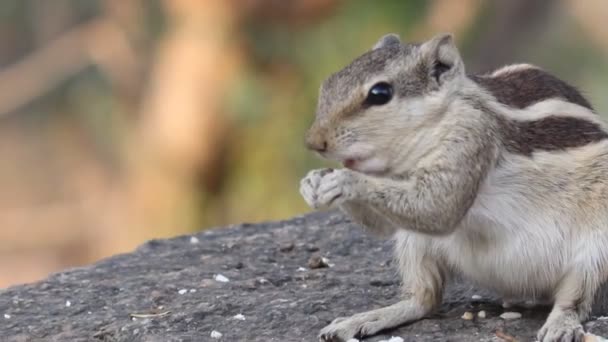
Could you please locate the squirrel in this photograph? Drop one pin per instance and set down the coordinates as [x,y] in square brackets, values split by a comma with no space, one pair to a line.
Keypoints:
[499,178]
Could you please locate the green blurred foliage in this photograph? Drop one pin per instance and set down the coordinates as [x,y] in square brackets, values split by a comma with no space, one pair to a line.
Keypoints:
[274,99]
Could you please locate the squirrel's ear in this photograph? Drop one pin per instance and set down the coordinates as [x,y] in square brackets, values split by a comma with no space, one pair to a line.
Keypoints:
[443,57]
[386,40]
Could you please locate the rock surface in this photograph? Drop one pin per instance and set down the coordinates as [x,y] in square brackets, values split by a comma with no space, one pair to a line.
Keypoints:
[186,288]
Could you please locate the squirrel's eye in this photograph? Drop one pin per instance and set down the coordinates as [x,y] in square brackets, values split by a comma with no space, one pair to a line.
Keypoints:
[379,94]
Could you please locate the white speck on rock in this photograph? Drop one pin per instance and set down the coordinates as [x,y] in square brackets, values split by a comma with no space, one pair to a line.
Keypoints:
[353,340]
[510,315]
[481,314]
[239,317]
[192,290]
[476,297]
[7,316]
[216,334]
[393,339]
[182,291]
[68,303]
[194,240]
[302,269]
[221,278]
[136,331]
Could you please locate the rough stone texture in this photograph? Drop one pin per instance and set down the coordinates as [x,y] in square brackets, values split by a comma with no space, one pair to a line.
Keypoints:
[173,281]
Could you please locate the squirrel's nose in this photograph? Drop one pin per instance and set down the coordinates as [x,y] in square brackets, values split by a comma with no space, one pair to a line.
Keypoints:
[319,145]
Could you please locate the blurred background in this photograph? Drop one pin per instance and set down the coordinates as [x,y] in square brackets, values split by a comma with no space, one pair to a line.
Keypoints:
[126,120]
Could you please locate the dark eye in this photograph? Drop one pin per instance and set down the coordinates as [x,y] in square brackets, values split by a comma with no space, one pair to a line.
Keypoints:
[379,94]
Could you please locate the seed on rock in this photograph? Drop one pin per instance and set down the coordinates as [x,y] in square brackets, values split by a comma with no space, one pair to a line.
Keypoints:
[594,338]
[317,261]
[481,314]
[510,315]
[467,316]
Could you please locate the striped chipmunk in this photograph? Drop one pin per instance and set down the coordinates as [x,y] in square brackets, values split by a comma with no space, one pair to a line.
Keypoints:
[499,178]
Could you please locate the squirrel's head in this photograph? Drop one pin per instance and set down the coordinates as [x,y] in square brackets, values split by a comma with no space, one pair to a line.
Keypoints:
[372,112]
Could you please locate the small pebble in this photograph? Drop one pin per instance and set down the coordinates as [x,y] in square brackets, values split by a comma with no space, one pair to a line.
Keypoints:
[317,261]
[221,278]
[510,315]
[182,291]
[476,297]
[7,316]
[481,314]
[287,247]
[216,334]
[468,316]
[312,248]
[194,240]
[301,269]
[68,303]
[239,317]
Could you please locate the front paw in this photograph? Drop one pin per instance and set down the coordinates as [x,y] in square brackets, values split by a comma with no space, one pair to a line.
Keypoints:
[329,188]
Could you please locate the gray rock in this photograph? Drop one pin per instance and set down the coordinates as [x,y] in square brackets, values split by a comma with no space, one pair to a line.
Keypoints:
[167,290]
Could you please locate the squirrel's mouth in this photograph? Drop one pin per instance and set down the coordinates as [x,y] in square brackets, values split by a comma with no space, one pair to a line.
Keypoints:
[365,165]
[349,163]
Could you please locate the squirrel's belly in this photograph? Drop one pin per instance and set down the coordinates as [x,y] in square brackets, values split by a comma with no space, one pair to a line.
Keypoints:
[517,264]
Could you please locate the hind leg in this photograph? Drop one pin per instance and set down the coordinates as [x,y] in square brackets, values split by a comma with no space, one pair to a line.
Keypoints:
[573,301]
[423,281]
